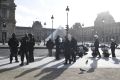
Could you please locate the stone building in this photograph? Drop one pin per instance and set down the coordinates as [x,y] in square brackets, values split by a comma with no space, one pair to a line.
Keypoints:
[8,24]
[104,26]
[7,19]
[37,30]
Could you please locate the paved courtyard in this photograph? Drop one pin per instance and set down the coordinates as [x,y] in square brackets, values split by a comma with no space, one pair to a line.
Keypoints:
[47,68]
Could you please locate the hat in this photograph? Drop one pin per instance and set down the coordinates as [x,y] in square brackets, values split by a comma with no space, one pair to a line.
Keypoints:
[112,39]
[96,36]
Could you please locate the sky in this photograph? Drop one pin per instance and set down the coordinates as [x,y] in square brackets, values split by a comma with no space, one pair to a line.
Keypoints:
[82,11]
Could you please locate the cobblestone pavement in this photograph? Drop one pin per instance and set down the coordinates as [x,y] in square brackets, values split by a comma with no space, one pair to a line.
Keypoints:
[60,74]
[46,68]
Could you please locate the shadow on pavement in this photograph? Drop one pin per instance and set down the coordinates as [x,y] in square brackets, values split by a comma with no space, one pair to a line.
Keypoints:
[33,69]
[15,67]
[4,64]
[116,61]
[4,58]
[53,72]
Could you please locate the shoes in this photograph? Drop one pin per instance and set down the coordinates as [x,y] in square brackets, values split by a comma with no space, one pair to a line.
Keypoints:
[21,64]
[27,63]
[65,63]
[16,61]
[10,62]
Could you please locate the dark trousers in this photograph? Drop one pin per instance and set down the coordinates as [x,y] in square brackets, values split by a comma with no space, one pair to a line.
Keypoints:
[31,55]
[13,54]
[49,52]
[97,52]
[113,52]
[57,54]
[24,53]
[73,55]
[67,57]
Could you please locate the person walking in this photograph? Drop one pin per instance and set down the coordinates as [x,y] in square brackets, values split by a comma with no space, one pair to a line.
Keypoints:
[31,44]
[96,45]
[24,50]
[113,46]
[50,46]
[13,45]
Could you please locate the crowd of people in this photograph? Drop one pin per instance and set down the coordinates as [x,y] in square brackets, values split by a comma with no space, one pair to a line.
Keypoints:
[68,46]
[26,48]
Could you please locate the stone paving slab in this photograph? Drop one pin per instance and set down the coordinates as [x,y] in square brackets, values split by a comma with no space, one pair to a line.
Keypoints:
[60,74]
[47,68]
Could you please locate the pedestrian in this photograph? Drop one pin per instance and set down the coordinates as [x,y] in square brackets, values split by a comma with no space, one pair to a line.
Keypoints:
[57,43]
[96,45]
[67,53]
[13,45]
[113,46]
[24,50]
[73,49]
[50,46]
[31,44]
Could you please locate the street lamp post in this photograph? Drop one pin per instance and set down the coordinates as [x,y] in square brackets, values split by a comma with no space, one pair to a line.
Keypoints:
[93,32]
[52,25]
[67,26]
[103,30]
[82,33]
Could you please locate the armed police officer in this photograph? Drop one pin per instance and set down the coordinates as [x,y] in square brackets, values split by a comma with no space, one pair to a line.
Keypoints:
[57,43]
[73,49]
[31,43]
[13,45]
[24,50]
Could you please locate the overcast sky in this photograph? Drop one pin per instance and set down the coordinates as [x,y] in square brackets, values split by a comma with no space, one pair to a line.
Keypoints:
[83,11]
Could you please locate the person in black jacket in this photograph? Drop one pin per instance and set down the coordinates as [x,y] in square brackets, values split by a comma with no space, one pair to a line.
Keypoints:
[96,45]
[31,43]
[50,46]
[13,45]
[67,53]
[24,49]
[73,48]
[57,43]
[113,46]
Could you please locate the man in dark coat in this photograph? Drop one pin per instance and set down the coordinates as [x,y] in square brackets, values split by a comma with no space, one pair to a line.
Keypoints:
[113,46]
[31,43]
[96,45]
[57,43]
[24,49]
[50,46]
[73,49]
[67,53]
[13,45]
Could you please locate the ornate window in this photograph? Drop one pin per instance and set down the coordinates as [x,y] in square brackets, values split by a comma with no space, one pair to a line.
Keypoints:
[4,12]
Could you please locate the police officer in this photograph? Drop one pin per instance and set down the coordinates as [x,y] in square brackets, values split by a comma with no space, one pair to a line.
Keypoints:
[113,46]
[13,45]
[24,49]
[57,43]
[31,43]
[50,46]
[96,45]
[67,53]
[73,49]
